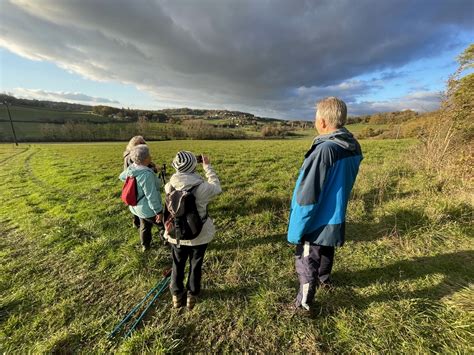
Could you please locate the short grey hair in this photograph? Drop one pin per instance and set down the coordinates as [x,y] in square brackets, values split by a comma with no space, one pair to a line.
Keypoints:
[333,111]
[139,153]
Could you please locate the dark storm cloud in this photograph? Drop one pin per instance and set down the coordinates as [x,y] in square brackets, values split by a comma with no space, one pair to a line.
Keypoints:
[263,56]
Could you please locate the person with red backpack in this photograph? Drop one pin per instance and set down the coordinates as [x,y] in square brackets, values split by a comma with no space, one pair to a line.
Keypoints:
[141,192]
[127,161]
[188,227]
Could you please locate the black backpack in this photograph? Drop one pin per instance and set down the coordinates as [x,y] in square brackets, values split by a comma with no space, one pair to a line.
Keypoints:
[182,220]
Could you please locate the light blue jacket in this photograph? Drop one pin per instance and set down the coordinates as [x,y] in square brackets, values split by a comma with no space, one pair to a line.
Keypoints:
[148,186]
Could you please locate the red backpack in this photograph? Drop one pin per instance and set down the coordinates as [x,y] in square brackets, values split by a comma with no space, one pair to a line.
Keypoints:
[130,191]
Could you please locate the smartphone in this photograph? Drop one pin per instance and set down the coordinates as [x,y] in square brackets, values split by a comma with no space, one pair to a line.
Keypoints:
[199,159]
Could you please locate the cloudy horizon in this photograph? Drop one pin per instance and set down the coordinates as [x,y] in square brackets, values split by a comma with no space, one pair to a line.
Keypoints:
[270,58]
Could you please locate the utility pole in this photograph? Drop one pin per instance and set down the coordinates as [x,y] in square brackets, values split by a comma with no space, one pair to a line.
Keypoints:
[11,122]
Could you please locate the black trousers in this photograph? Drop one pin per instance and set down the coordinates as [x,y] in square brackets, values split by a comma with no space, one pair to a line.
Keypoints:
[313,265]
[195,254]
[136,221]
[146,225]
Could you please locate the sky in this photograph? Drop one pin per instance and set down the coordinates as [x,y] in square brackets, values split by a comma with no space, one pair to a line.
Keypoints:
[270,58]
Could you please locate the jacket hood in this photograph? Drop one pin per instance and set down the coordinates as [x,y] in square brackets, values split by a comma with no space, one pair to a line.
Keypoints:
[184,181]
[342,137]
[137,170]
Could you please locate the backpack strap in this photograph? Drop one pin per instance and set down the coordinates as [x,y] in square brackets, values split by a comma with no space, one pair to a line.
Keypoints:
[192,190]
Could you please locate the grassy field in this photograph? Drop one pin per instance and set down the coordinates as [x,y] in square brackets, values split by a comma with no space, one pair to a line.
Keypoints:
[71,265]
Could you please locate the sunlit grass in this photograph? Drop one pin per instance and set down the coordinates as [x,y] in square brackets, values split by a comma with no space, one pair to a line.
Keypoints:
[71,266]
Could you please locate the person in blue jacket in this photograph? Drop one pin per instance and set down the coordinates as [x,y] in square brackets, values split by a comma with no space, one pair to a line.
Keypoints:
[318,207]
[148,210]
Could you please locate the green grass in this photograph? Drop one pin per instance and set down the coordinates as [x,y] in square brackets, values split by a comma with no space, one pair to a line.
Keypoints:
[71,266]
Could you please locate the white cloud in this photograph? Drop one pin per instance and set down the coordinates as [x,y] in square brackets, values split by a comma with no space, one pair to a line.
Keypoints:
[76,97]
[421,101]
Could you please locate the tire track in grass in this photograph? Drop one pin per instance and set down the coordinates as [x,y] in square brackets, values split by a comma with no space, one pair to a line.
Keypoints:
[31,174]
[5,160]
[56,192]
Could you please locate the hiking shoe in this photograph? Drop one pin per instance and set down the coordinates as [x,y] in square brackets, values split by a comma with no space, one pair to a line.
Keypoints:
[298,311]
[191,301]
[328,285]
[178,301]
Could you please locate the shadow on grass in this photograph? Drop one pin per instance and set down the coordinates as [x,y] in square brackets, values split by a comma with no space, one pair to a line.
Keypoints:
[249,243]
[456,269]
[234,293]
[246,205]
[403,221]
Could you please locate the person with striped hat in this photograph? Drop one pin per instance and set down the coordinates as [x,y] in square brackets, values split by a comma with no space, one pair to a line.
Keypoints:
[186,178]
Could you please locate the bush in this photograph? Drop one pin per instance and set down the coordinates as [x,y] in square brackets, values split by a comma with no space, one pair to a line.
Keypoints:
[76,132]
[444,147]
[274,131]
[369,132]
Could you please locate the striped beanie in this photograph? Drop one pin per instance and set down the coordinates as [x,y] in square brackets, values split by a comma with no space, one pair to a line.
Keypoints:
[184,162]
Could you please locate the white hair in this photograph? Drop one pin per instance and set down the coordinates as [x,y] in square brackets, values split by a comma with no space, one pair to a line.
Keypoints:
[333,111]
[132,143]
[139,153]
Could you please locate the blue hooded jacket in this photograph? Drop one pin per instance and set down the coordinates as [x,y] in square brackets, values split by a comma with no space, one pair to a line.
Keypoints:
[325,181]
[148,186]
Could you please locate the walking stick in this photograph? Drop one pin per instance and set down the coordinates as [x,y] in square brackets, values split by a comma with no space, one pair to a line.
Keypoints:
[163,287]
[163,174]
[160,286]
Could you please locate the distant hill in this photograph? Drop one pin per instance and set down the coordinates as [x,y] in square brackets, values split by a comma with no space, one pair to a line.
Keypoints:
[26,110]
[52,121]
[36,120]
[61,106]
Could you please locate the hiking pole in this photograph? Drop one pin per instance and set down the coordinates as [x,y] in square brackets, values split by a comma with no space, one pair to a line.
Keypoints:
[163,287]
[134,309]
[160,284]
[163,174]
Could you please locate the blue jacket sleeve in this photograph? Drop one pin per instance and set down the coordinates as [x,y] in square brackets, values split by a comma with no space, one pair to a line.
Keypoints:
[308,189]
[123,175]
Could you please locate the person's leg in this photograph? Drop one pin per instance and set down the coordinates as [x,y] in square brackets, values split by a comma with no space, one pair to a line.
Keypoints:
[307,265]
[195,269]
[136,221]
[145,232]
[180,256]
[327,260]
